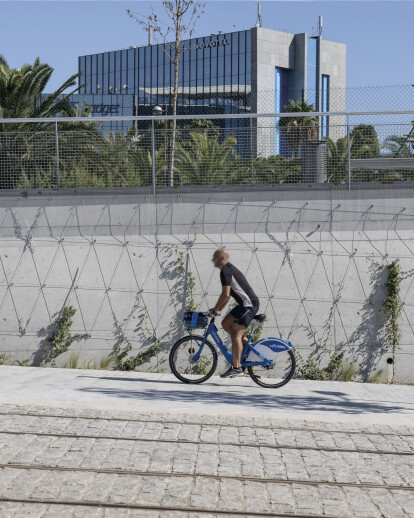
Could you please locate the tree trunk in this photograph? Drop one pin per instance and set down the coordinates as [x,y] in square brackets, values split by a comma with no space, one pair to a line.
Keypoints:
[175,96]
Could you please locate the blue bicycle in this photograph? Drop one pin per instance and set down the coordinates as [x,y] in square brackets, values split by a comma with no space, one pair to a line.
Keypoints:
[270,362]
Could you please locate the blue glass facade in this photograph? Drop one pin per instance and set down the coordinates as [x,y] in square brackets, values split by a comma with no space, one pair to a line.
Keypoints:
[281,99]
[325,106]
[214,71]
[214,76]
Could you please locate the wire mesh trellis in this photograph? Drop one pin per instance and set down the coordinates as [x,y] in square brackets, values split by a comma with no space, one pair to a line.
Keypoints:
[284,150]
[118,254]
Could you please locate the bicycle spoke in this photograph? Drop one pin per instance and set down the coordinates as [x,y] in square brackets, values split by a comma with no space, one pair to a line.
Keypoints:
[278,373]
[183,363]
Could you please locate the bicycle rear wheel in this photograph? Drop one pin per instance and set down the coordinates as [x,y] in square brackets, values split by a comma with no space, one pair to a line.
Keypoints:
[278,374]
[184,368]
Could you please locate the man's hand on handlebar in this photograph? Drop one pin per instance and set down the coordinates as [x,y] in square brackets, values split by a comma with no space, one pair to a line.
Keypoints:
[213,313]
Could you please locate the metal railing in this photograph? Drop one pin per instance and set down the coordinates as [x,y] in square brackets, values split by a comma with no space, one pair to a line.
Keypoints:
[283,150]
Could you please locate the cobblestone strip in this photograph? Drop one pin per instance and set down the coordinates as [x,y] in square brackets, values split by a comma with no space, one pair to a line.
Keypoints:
[214,420]
[207,459]
[195,492]
[19,510]
[176,432]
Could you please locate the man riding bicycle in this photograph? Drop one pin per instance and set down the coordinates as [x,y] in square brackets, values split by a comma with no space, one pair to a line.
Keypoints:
[234,284]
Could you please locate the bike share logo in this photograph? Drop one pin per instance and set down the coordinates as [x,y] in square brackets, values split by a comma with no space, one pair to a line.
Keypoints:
[207,44]
[273,346]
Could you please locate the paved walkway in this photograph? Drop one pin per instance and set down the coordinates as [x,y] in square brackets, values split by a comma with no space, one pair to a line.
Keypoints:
[84,443]
[311,400]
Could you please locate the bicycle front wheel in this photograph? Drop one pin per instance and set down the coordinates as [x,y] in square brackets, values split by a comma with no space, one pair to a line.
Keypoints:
[181,360]
[278,374]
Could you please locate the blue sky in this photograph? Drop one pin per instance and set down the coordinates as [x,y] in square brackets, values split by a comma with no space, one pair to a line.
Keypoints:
[378,34]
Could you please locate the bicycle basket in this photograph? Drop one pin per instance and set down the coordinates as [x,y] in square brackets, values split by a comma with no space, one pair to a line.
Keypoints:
[195,320]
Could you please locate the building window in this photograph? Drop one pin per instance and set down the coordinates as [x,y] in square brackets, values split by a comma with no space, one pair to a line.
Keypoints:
[325,106]
[88,74]
[281,82]
[82,79]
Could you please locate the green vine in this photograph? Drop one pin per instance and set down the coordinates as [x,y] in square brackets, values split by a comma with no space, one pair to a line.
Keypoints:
[257,331]
[310,370]
[4,358]
[191,282]
[124,346]
[392,306]
[61,339]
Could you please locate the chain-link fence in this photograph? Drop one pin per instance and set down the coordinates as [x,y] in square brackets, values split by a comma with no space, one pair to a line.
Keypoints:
[352,99]
[285,150]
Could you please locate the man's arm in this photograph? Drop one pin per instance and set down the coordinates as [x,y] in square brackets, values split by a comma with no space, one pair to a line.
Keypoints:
[222,301]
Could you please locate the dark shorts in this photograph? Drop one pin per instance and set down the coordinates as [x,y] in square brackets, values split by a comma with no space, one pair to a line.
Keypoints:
[243,316]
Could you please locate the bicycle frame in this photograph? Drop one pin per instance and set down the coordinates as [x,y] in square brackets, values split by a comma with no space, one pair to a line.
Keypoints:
[213,331]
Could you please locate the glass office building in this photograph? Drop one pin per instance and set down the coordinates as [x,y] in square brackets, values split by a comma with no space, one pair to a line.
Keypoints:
[249,71]
[214,71]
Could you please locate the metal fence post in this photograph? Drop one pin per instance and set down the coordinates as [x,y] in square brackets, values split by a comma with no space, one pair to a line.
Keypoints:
[57,155]
[34,147]
[153,155]
[348,132]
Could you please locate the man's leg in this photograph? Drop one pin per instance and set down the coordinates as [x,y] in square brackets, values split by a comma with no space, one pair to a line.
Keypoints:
[238,341]
[236,333]
[227,322]
[227,325]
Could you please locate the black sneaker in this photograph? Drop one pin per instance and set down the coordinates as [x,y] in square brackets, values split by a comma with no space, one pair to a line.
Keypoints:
[232,372]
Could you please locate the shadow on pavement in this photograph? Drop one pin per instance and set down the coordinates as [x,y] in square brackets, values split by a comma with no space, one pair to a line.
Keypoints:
[330,401]
[136,380]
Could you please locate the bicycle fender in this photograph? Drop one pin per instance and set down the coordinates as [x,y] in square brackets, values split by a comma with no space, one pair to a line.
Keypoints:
[268,347]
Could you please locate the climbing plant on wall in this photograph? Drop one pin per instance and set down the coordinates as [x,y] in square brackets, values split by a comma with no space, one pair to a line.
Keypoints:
[124,346]
[189,280]
[392,305]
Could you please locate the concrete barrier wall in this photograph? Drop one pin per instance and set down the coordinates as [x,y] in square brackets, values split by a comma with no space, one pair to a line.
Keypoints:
[310,256]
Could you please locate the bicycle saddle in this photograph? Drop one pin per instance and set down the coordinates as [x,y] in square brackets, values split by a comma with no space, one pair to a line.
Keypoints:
[260,318]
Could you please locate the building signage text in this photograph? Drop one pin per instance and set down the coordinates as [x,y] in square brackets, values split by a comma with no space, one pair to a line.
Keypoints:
[207,44]
[105,109]
[101,109]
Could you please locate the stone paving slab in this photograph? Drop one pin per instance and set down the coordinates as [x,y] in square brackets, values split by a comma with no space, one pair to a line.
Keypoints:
[209,494]
[19,510]
[207,459]
[231,477]
[208,434]
[116,439]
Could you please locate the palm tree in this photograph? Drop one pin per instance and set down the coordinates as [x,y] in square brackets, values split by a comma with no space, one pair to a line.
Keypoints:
[364,142]
[337,159]
[3,60]
[202,159]
[28,150]
[277,169]
[397,146]
[22,94]
[299,129]
[337,156]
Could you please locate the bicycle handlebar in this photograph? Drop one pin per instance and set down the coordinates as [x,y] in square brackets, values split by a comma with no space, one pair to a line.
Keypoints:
[206,314]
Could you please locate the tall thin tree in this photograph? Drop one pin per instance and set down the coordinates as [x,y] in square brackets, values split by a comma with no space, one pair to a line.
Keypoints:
[182,16]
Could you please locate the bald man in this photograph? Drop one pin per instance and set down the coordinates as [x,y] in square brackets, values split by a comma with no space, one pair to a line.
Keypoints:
[234,284]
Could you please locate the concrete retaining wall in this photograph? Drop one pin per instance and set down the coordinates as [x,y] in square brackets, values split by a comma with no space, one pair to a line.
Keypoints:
[310,256]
